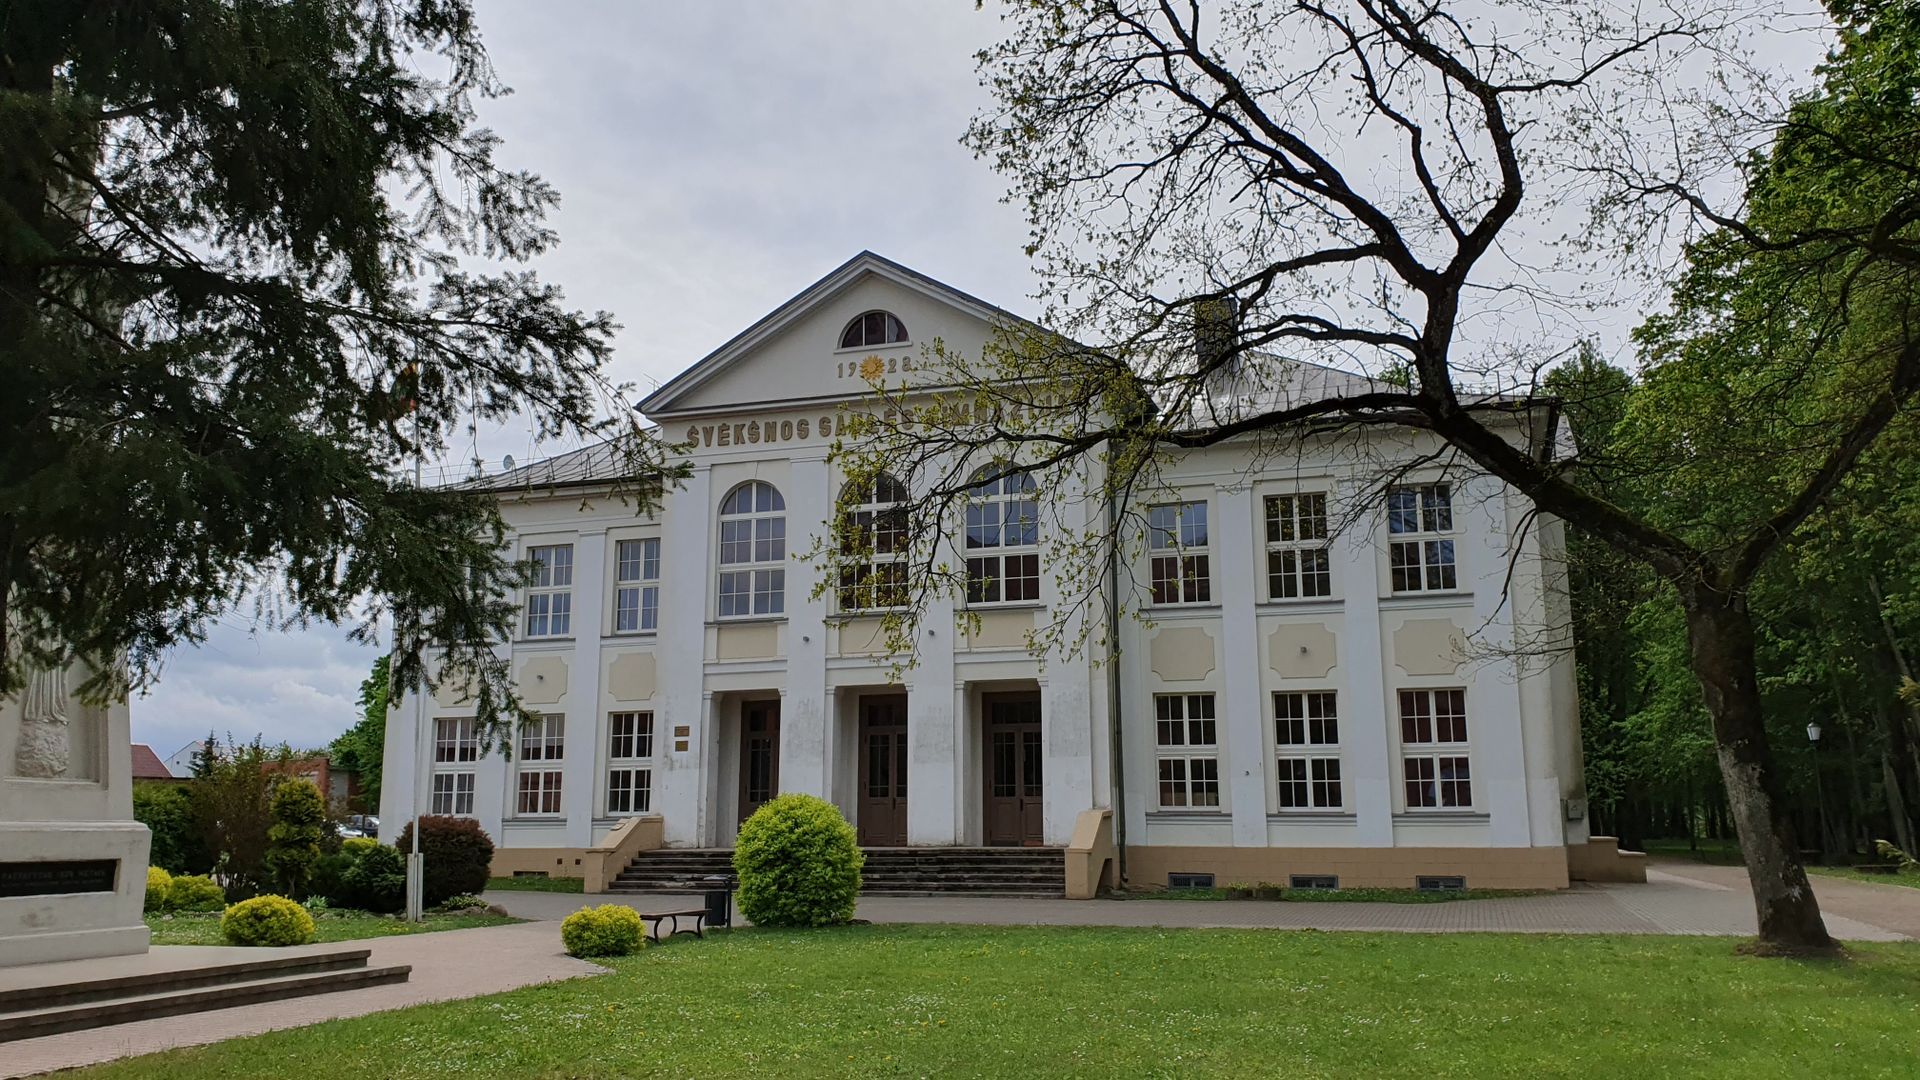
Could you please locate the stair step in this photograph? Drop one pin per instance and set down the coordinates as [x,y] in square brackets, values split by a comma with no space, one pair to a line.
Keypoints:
[153,982]
[82,1015]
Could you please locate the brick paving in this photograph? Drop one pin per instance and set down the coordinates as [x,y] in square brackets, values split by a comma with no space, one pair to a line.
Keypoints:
[447,964]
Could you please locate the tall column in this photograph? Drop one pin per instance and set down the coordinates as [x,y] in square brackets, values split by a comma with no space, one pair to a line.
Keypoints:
[1242,719]
[1365,713]
[1495,728]
[680,660]
[804,735]
[934,751]
[580,763]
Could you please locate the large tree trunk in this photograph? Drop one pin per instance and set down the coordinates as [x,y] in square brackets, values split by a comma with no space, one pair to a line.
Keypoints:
[1720,640]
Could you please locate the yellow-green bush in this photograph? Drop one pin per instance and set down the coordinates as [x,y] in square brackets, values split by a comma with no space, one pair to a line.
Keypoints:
[159,886]
[608,930]
[799,863]
[356,845]
[196,892]
[267,920]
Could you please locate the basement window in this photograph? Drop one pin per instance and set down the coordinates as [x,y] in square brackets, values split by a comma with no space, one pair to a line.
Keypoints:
[1440,884]
[1313,881]
[1189,881]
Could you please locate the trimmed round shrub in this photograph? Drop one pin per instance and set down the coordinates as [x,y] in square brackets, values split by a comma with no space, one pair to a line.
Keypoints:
[799,863]
[459,853]
[159,888]
[293,840]
[376,881]
[196,892]
[354,845]
[607,930]
[267,920]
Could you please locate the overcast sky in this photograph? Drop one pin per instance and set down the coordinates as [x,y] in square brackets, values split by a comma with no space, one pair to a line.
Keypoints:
[713,159]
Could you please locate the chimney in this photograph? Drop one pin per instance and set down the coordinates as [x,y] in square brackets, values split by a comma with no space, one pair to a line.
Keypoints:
[1215,326]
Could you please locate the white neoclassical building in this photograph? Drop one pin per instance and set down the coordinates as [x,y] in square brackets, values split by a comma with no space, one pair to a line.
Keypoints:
[1304,702]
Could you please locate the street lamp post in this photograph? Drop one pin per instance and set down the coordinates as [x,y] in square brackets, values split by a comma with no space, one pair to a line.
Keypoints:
[1819,785]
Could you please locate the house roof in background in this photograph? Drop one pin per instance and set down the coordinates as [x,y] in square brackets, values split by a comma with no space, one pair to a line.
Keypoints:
[147,764]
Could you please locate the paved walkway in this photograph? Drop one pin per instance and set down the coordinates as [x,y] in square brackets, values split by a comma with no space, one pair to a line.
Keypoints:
[1678,898]
[447,964]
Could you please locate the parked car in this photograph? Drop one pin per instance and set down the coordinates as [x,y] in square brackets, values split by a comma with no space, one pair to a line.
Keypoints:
[361,825]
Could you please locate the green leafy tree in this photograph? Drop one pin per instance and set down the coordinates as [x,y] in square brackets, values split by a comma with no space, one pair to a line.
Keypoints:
[1203,214]
[256,258]
[234,801]
[361,749]
[168,813]
[293,840]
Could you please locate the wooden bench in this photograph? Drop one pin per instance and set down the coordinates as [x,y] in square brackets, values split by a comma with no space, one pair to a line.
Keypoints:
[671,920]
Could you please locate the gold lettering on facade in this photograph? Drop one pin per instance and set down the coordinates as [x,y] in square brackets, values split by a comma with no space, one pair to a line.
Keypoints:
[802,429]
[753,431]
[826,427]
[786,430]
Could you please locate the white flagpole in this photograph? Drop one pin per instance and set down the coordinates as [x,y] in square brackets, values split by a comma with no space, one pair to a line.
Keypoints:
[422,765]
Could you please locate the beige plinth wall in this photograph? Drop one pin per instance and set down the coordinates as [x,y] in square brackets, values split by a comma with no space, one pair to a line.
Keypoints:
[1600,859]
[1090,855]
[1357,868]
[551,861]
[629,838]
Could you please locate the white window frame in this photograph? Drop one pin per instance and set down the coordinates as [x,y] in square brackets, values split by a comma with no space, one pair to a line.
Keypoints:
[1422,548]
[889,323]
[1179,554]
[636,585]
[1002,535]
[1299,552]
[874,541]
[752,579]
[1436,759]
[1306,740]
[456,747]
[551,592]
[630,745]
[542,759]
[1183,756]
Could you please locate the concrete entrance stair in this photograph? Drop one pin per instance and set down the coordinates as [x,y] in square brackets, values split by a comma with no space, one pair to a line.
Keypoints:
[44,999]
[914,871]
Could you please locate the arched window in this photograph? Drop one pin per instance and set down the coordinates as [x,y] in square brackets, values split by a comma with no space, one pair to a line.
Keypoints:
[753,551]
[873,328]
[1003,537]
[873,545]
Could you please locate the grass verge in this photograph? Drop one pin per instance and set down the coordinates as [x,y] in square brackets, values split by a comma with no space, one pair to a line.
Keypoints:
[539,884]
[1905,881]
[1078,1001]
[199,929]
[1333,896]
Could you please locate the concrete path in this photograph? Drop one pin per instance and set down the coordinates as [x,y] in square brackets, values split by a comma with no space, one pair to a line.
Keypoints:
[1677,899]
[447,964]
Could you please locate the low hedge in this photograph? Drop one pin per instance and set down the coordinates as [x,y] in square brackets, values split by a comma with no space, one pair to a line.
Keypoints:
[607,930]
[799,863]
[267,920]
[195,892]
[458,854]
[159,887]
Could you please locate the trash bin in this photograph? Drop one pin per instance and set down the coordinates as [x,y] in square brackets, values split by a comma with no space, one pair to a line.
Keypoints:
[719,895]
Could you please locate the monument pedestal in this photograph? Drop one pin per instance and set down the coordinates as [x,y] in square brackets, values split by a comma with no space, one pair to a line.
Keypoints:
[73,862]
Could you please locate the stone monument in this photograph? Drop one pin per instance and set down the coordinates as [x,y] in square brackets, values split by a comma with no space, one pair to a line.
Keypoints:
[73,862]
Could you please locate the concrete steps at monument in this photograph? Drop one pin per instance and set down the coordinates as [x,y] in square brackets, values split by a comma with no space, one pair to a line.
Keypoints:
[920,871]
[86,1001]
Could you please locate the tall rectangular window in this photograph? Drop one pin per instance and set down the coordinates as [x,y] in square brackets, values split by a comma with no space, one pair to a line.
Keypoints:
[1306,736]
[456,746]
[1177,550]
[1297,561]
[1433,748]
[629,762]
[636,586]
[1420,546]
[1187,751]
[542,748]
[550,596]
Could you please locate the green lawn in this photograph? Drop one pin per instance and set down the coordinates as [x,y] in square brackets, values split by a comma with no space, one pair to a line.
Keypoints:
[327,926]
[539,884]
[1060,1001]
[1908,881]
[1332,896]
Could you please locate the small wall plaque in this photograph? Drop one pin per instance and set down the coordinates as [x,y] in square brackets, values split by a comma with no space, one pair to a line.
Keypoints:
[53,877]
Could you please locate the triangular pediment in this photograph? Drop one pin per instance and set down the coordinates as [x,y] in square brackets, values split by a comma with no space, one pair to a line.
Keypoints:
[793,355]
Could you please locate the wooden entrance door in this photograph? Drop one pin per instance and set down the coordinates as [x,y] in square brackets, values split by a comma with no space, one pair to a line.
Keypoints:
[883,771]
[759,755]
[1015,765]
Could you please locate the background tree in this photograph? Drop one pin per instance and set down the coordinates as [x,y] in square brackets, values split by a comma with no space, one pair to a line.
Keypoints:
[299,818]
[361,749]
[1202,210]
[244,282]
[234,802]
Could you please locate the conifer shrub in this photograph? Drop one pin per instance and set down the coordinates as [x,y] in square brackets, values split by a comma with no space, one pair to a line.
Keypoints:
[799,863]
[195,892]
[375,881]
[159,885]
[458,851]
[607,930]
[299,818]
[267,920]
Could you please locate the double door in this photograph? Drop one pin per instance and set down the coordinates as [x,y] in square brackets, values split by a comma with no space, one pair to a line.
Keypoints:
[883,772]
[1015,771]
[759,755]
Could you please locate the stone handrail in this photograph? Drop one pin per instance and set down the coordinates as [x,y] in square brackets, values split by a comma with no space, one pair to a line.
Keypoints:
[632,836]
[1090,855]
